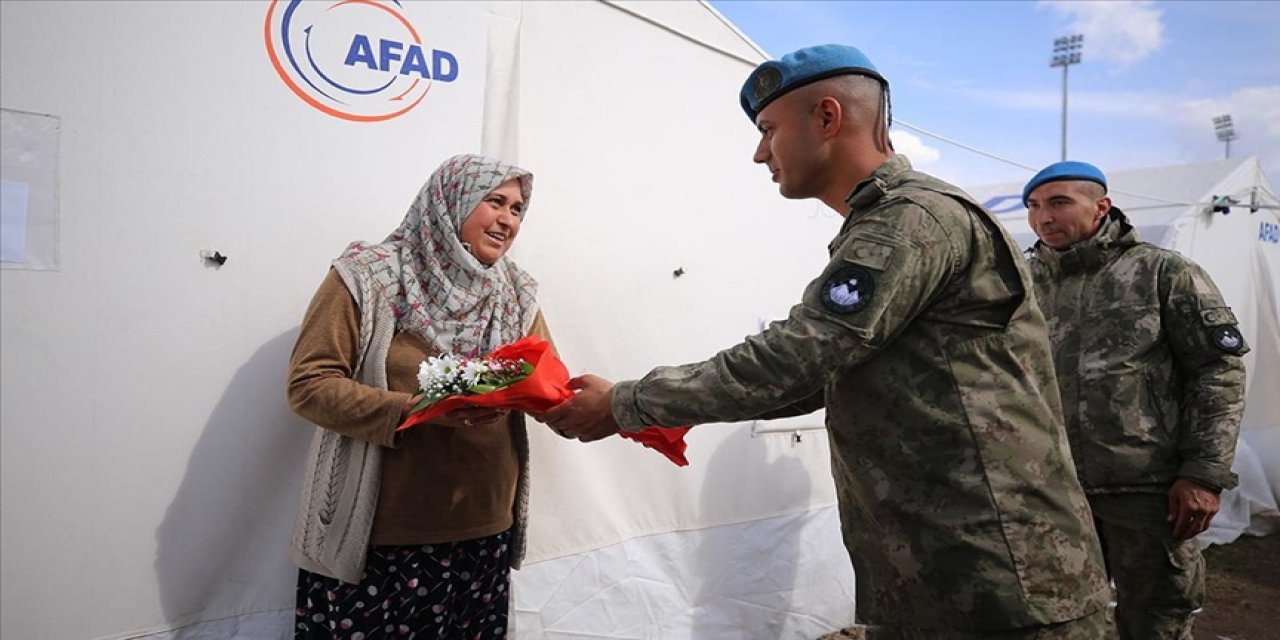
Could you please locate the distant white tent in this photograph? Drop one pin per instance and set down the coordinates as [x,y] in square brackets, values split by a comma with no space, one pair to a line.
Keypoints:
[1239,245]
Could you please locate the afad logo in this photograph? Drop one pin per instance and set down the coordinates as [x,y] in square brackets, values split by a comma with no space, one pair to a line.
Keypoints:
[359,60]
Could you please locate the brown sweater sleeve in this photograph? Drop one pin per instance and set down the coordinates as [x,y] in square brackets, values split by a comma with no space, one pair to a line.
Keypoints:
[320,385]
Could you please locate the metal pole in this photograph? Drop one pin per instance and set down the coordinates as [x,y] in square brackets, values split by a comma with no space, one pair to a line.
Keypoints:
[1064,110]
[1066,52]
[1226,132]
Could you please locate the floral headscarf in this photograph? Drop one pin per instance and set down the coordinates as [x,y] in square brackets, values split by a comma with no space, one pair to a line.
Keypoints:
[440,291]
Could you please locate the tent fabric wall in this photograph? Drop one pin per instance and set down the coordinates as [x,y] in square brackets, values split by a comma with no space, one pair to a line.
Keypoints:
[1171,207]
[648,214]
[150,466]
[639,548]
[779,577]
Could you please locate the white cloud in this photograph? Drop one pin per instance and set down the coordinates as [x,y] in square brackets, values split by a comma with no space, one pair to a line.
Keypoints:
[1120,33]
[1257,108]
[1252,109]
[914,148]
[1255,114]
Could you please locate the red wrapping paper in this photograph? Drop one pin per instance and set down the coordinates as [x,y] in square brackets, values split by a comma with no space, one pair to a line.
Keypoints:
[545,388]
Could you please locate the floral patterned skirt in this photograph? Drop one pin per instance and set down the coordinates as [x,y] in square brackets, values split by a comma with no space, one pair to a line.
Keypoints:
[454,590]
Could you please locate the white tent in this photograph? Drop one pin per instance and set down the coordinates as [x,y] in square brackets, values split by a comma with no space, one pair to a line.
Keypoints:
[150,466]
[1173,207]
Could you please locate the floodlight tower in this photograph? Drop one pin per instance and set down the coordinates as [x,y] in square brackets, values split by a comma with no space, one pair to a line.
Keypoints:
[1226,131]
[1066,52]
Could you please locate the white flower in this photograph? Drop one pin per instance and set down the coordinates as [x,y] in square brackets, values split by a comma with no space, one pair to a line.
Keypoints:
[438,372]
[472,370]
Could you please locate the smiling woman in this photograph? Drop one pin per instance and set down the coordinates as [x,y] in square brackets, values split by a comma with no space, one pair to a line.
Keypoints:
[422,525]
[493,224]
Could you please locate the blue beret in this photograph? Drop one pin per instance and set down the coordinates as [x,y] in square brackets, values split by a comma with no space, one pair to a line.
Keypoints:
[1065,170]
[774,78]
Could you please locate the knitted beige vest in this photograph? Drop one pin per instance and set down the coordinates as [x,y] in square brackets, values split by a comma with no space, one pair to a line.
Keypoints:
[340,484]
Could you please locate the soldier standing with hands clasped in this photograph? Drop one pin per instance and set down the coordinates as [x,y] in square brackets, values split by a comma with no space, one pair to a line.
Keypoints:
[1148,361]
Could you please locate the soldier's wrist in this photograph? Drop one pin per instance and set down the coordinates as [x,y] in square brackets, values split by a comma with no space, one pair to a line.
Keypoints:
[1204,483]
[1213,474]
[622,403]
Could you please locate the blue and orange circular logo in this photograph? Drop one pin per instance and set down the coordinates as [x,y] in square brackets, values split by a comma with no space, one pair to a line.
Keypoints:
[359,60]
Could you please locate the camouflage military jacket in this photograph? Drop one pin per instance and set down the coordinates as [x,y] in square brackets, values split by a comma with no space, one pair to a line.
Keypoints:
[1148,362]
[959,503]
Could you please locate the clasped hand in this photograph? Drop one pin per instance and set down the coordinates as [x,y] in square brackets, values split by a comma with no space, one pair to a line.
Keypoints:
[471,417]
[463,418]
[586,416]
[1191,508]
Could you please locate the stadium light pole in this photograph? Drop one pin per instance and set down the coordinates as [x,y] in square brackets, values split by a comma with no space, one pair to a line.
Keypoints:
[1226,131]
[1066,52]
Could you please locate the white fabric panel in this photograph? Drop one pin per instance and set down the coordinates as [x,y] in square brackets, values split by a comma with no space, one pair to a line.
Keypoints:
[149,465]
[500,138]
[696,21]
[633,182]
[1262,407]
[783,577]
[618,490]
[267,625]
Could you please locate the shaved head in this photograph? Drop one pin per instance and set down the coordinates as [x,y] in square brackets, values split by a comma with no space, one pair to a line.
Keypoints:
[861,100]
[1091,190]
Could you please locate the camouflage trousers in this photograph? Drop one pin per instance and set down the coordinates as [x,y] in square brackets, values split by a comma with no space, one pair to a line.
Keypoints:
[1095,626]
[1159,580]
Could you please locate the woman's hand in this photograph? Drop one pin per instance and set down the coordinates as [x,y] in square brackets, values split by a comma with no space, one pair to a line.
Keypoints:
[408,406]
[470,417]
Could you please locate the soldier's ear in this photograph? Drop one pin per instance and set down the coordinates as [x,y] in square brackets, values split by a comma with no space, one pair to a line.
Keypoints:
[1104,206]
[831,115]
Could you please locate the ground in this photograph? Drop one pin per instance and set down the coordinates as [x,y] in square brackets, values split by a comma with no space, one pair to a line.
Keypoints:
[1243,593]
[1244,590]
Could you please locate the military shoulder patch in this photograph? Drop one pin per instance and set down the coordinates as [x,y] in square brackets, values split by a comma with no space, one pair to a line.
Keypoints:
[1217,316]
[847,290]
[870,253]
[1227,338]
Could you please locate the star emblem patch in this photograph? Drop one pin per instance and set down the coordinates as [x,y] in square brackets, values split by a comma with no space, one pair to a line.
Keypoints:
[847,290]
[1227,338]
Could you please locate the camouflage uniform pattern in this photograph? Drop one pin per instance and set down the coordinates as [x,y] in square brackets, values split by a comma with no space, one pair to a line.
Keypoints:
[959,504]
[1148,361]
[1159,579]
[1148,394]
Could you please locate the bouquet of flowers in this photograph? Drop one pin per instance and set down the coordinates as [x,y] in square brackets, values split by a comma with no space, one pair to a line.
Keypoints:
[439,378]
[526,376]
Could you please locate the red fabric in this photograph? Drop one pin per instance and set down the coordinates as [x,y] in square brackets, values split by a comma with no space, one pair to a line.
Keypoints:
[545,388]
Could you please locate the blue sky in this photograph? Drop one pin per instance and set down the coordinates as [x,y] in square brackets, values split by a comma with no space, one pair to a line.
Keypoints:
[1153,76]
